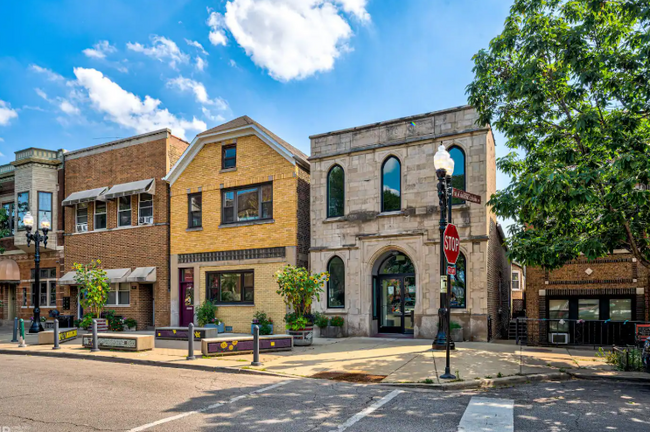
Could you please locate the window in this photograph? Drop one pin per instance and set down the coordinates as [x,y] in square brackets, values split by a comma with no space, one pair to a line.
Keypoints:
[335,192]
[391,185]
[558,310]
[82,217]
[145,209]
[47,291]
[247,204]
[588,309]
[229,156]
[119,295]
[515,280]
[194,204]
[25,297]
[230,287]
[458,299]
[124,211]
[620,309]
[44,207]
[9,210]
[336,283]
[458,179]
[100,215]
[22,208]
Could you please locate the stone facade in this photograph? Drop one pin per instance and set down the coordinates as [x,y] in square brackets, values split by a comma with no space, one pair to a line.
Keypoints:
[259,246]
[365,235]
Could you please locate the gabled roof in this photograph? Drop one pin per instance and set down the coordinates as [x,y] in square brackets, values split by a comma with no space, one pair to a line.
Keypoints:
[241,126]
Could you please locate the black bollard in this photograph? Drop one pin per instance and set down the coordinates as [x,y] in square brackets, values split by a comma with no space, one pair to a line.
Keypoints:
[56,335]
[256,346]
[95,347]
[190,342]
[15,334]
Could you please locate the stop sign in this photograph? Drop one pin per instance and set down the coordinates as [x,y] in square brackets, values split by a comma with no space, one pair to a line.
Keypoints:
[451,243]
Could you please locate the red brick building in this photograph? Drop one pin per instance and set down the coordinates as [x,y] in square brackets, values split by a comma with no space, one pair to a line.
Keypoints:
[117,210]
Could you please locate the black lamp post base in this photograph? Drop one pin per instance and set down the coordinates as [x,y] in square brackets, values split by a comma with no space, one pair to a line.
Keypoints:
[448,375]
[440,343]
[36,328]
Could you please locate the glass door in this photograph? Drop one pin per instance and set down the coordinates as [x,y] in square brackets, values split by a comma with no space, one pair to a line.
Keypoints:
[410,293]
[392,305]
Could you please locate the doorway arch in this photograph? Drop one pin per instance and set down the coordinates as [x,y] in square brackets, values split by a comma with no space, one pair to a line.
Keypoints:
[395,292]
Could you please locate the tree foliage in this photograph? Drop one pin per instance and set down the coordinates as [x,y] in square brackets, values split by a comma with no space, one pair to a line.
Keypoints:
[567,83]
[93,285]
[4,226]
[298,288]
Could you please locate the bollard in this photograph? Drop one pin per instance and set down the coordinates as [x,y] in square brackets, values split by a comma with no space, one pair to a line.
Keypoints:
[95,347]
[15,334]
[22,334]
[190,342]
[56,335]
[256,346]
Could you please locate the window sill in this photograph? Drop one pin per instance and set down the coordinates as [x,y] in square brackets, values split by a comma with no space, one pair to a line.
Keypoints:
[335,219]
[235,304]
[117,306]
[247,223]
[227,170]
[194,229]
[391,213]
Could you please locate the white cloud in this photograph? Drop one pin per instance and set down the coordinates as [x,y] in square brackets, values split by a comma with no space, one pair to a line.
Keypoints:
[233,63]
[1,154]
[292,39]
[6,113]
[215,118]
[200,93]
[127,109]
[200,63]
[51,76]
[42,94]
[99,50]
[217,34]
[162,49]
[68,108]
[197,45]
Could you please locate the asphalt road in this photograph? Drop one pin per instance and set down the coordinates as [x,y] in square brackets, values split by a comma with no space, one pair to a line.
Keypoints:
[50,394]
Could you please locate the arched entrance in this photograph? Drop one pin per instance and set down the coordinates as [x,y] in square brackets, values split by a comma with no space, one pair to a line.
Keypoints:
[396,293]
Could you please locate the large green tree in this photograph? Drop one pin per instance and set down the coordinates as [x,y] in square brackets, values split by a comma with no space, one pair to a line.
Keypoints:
[567,82]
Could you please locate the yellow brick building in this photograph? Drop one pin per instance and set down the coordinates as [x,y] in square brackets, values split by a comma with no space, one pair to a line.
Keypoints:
[239,212]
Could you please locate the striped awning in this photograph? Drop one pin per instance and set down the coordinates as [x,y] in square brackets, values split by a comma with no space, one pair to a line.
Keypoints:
[85,196]
[133,188]
[143,275]
[112,276]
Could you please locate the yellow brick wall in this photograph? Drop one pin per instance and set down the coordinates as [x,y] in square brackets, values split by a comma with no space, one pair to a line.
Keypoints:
[256,161]
[266,299]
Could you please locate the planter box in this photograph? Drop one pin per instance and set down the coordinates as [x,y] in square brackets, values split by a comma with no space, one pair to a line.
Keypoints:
[180,333]
[224,345]
[253,327]
[120,341]
[331,332]
[302,337]
[47,337]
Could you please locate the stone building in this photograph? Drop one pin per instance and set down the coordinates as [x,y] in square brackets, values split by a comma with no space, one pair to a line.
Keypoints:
[375,221]
[239,213]
[31,184]
[117,210]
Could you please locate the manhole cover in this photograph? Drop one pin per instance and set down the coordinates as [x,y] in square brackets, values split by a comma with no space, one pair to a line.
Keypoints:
[350,377]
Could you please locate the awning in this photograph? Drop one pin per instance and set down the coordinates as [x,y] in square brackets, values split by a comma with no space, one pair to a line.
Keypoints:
[85,196]
[113,276]
[143,275]
[68,279]
[133,188]
[9,271]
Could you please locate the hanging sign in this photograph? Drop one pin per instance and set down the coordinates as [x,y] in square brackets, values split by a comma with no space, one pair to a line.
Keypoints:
[461,194]
[443,284]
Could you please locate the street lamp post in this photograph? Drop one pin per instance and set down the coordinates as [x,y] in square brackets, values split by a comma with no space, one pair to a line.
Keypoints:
[37,238]
[444,165]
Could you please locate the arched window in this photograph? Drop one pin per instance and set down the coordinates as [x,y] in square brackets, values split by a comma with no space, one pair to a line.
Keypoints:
[335,192]
[336,284]
[458,179]
[459,284]
[391,185]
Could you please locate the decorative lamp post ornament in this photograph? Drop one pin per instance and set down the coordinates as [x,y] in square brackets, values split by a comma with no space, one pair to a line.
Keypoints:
[37,238]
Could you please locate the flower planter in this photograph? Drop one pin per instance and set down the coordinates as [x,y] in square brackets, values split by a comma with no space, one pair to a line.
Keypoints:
[331,332]
[220,327]
[457,334]
[302,337]
[253,328]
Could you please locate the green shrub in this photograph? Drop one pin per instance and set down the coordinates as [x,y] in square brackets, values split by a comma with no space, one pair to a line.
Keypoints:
[337,321]
[84,323]
[114,323]
[620,358]
[455,325]
[131,323]
[321,320]
[266,329]
[262,318]
[206,314]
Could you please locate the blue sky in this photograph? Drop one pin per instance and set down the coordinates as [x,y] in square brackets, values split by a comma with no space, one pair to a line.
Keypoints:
[75,74]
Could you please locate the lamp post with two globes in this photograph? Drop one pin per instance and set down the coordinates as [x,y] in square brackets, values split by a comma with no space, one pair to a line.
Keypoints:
[37,238]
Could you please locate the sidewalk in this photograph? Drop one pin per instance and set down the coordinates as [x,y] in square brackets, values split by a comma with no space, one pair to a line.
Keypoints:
[361,359]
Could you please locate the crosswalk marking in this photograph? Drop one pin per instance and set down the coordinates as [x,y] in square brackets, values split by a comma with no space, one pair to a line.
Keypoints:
[372,408]
[488,415]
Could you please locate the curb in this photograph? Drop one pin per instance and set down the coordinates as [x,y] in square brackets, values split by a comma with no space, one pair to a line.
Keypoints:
[487,383]
[593,376]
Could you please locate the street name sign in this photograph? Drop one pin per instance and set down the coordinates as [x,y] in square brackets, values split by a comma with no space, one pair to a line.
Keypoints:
[461,194]
[451,245]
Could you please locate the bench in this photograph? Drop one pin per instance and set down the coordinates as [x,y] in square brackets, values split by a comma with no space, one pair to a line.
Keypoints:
[119,341]
[225,345]
[46,337]
[180,333]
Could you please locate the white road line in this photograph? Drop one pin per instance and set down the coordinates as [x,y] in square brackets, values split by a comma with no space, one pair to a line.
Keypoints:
[486,414]
[208,408]
[372,408]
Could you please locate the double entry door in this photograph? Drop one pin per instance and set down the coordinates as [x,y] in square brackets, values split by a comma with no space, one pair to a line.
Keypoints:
[397,295]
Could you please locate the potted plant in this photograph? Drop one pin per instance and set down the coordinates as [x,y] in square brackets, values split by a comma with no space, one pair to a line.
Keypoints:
[298,288]
[94,289]
[264,321]
[130,324]
[456,332]
[321,321]
[206,315]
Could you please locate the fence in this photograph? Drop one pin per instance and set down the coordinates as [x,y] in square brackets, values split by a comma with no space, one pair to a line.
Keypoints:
[556,332]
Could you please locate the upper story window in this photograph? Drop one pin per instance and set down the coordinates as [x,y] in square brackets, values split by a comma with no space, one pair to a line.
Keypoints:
[47,289]
[100,215]
[119,294]
[81,218]
[124,211]
[336,283]
[247,204]
[145,209]
[11,216]
[515,280]
[458,179]
[335,192]
[22,207]
[194,214]
[229,156]
[44,207]
[391,185]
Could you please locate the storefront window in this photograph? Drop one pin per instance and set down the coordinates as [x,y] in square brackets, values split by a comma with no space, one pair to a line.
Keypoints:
[589,309]
[558,310]
[620,309]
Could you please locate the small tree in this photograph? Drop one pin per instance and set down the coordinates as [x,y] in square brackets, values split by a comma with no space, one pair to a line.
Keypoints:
[298,288]
[4,226]
[94,286]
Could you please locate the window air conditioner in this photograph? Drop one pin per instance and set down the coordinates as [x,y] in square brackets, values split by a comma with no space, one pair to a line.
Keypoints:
[558,338]
[82,227]
[144,220]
